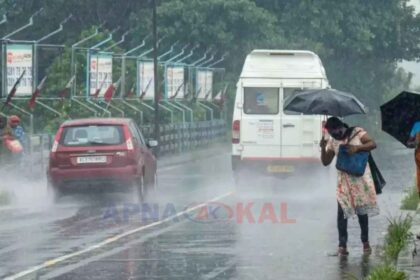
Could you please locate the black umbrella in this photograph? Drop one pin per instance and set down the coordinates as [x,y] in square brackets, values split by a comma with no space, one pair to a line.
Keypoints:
[327,101]
[399,115]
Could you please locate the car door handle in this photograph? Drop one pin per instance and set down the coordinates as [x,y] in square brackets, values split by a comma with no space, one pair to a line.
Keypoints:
[288,125]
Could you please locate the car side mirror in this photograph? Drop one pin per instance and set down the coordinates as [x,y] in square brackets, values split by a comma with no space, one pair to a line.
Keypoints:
[152,143]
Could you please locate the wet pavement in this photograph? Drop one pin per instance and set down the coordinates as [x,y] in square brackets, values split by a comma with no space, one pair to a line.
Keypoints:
[280,229]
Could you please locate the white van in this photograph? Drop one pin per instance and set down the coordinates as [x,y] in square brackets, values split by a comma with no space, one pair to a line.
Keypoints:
[263,136]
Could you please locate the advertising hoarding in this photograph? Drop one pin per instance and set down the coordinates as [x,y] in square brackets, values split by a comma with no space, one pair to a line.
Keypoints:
[100,73]
[175,82]
[19,58]
[146,86]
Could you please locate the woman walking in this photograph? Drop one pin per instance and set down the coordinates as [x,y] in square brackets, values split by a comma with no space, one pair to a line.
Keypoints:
[355,195]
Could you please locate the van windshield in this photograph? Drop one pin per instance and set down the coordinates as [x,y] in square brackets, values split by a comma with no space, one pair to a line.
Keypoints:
[92,135]
[263,101]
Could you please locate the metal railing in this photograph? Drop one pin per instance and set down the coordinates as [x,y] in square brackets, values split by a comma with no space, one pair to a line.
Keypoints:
[175,138]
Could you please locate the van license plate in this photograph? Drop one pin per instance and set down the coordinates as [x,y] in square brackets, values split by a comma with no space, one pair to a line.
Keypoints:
[97,159]
[280,169]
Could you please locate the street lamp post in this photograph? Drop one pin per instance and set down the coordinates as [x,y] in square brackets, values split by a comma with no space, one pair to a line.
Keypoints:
[155,68]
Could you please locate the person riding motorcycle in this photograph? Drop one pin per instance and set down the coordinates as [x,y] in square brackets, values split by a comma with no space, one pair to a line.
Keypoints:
[17,129]
[12,138]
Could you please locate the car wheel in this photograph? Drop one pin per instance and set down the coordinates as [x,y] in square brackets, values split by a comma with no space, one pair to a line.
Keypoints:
[141,188]
[154,182]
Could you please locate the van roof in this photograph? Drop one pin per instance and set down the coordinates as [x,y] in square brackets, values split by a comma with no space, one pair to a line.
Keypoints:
[283,64]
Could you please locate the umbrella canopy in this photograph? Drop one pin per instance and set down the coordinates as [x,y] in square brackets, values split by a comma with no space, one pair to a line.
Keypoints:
[327,101]
[399,115]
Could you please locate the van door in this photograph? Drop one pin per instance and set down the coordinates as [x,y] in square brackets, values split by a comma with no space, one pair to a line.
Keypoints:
[260,123]
[300,133]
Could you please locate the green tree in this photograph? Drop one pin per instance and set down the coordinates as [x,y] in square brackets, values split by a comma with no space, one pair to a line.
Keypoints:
[232,27]
[226,26]
[360,42]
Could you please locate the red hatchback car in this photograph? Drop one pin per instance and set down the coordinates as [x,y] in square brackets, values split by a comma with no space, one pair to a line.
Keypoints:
[101,152]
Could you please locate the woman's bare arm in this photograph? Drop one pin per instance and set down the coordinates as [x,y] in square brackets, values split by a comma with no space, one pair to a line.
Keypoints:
[368,144]
[327,156]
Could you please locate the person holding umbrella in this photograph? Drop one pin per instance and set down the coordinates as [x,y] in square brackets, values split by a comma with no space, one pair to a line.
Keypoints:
[355,195]
[401,119]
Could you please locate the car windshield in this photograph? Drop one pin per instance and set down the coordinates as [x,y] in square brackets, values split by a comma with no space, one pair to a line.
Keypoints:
[92,135]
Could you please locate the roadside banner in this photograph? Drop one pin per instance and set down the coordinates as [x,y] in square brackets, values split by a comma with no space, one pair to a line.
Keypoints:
[146,83]
[209,85]
[201,84]
[204,84]
[100,73]
[175,82]
[19,59]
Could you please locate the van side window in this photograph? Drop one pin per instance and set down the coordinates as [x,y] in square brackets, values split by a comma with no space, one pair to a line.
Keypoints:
[263,101]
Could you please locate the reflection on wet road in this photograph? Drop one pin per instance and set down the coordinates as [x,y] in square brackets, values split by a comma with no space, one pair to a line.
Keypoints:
[282,229]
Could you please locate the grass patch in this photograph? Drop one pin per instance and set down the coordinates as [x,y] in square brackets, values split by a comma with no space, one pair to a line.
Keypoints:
[382,272]
[5,198]
[411,200]
[397,236]
[386,272]
[396,239]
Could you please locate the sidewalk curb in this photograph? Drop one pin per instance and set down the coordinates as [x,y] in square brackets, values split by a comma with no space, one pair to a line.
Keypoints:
[409,258]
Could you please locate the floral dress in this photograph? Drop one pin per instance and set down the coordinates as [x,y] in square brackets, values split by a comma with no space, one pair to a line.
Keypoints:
[356,195]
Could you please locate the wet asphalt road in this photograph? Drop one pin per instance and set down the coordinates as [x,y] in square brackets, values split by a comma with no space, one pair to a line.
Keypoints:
[287,234]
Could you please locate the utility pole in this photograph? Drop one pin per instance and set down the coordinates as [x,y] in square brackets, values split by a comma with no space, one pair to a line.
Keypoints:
[155,68]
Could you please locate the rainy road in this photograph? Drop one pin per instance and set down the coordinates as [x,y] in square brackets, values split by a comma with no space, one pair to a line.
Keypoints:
[282,230]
